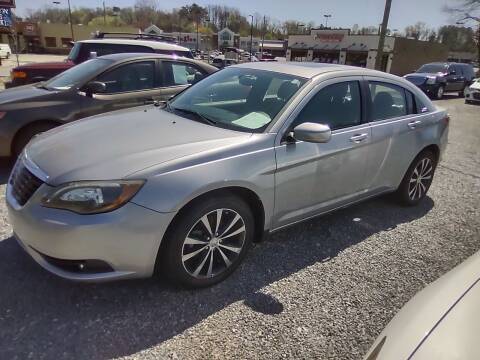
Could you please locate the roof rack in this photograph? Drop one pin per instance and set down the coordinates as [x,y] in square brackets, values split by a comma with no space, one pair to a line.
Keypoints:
[133,36]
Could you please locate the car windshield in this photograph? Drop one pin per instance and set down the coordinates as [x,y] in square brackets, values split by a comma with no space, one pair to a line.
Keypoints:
[433,68]
[74,52]
[238,98]
[77,75]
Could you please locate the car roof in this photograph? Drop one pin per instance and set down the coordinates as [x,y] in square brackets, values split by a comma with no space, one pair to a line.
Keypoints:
[119,57]
[447,63]
[306,69]
[160,45]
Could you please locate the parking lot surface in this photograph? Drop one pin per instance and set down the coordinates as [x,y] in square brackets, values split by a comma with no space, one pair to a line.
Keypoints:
[321,289]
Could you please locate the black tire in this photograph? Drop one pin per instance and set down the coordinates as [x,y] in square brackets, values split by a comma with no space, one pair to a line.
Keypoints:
[8,55]
[439,92]
[26,134]
[404,193]
[461,93]
[172,255]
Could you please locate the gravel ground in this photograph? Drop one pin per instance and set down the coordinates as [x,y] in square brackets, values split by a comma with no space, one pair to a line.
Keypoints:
[322,289]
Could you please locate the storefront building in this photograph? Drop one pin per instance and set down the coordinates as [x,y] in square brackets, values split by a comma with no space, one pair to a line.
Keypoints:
[400,55]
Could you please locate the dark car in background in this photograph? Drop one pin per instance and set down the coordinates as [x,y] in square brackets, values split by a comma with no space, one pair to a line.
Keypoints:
[87,49]
[107,83]
[437,78]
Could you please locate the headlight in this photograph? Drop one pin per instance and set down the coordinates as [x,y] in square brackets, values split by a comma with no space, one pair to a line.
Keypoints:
[92,197]
[431,80]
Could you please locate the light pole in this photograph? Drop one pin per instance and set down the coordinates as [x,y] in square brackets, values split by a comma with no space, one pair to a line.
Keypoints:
[104,15]
[251,37]
[327,16]
[69,16]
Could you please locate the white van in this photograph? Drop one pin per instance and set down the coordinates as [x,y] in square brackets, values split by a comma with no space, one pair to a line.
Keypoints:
[5,51]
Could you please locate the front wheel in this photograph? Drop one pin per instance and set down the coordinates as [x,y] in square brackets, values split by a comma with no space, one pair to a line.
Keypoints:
[440,92]
[208,241]
[417,180]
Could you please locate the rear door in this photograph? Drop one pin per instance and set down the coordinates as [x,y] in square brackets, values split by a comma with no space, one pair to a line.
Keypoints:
[127,85]
[176,76]
[397,128]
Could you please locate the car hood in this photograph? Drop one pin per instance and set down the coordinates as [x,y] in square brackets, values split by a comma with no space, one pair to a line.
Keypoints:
[475,86]
[46,65]
[424,75]
[431,309]
[117,144]
[20,93]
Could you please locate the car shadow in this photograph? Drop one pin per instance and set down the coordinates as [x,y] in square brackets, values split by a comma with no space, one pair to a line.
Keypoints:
[5,168]
[43,316]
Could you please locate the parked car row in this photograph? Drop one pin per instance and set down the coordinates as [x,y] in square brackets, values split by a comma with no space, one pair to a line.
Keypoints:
[86,49]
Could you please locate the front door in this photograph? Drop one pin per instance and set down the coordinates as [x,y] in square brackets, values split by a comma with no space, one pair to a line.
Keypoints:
[127,85]
[312,178]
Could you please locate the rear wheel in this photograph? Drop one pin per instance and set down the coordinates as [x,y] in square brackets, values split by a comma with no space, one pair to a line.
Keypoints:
[417,180]
[208,242]
[26,134]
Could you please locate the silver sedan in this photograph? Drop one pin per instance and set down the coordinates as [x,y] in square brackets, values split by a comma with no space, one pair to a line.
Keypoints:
[186,187]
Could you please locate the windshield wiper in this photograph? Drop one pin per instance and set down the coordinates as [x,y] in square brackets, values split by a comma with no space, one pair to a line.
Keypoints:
[197,115]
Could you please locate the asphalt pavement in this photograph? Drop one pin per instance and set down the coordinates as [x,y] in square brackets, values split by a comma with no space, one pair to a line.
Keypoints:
[321,289]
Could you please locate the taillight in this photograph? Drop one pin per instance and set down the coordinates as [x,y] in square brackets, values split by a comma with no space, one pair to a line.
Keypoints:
[19,74]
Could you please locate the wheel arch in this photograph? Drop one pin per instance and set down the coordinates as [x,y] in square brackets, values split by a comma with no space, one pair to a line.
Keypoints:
[31,124]
[433,148]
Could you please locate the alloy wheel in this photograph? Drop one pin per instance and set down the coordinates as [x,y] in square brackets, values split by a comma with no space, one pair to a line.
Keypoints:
[420,179]
[213,243]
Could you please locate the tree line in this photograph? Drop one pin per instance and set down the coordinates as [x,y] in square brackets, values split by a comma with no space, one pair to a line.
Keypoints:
[213,18]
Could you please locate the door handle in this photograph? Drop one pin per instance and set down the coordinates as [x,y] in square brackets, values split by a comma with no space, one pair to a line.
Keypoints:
[414,124]
[358,138]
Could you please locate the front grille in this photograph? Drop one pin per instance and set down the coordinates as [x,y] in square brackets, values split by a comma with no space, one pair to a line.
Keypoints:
[23,183]
[417,80]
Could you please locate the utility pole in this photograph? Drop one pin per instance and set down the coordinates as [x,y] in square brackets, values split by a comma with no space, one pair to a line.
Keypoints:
[263,35]
[383,31]
[104,15]
[251,37]
[70,16]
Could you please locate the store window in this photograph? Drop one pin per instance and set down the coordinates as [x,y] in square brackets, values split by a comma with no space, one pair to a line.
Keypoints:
[50,41]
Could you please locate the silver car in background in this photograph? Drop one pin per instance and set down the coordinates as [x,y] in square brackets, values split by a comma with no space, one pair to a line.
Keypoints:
[186,188]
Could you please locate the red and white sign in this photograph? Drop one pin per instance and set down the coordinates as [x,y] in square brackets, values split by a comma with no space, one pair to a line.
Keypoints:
[330,37]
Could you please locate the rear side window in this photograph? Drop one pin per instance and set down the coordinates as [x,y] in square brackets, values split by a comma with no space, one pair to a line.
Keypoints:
[411,109]
[388,101]
[337,105]
[179,73]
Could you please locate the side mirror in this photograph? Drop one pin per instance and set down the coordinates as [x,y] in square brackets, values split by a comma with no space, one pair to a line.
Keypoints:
[312,132]
[94,87]
[92,55]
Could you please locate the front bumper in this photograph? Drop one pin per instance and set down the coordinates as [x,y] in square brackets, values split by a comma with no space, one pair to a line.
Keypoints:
[126,239]
[429,89]
[472,96]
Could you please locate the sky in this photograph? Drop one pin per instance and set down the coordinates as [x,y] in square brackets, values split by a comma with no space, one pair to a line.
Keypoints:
[345,13]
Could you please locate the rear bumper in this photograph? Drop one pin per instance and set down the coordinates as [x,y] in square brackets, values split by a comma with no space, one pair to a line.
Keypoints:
[124,242]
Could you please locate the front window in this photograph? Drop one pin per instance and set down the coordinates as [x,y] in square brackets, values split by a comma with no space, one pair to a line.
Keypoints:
[433,68]
[77,75]
[238,98]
